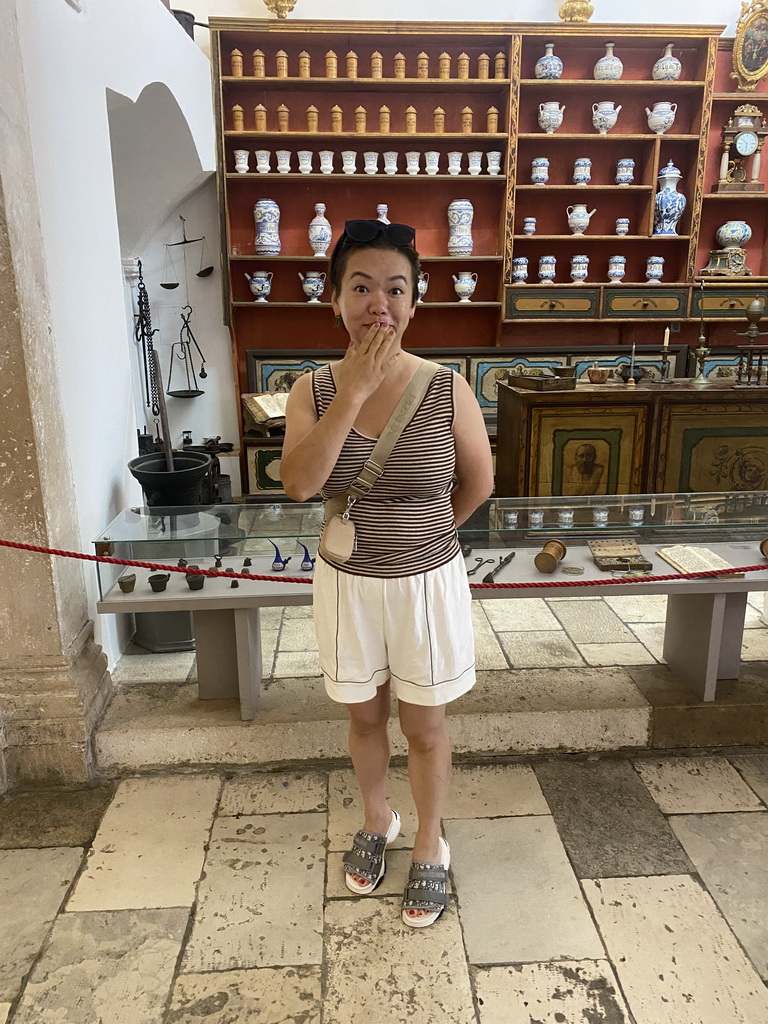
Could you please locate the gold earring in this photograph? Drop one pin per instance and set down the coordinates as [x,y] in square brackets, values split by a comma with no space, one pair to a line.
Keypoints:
[337,320]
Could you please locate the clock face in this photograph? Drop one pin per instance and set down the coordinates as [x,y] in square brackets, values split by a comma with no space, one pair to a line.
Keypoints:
[746,143]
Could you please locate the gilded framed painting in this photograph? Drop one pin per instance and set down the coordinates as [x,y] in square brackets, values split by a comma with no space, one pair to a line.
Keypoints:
[750,47]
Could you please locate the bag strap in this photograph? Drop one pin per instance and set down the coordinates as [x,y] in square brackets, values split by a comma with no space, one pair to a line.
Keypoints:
[398,421]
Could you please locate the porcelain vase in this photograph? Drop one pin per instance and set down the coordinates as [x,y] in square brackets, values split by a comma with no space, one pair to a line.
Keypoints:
[609,68]
[464,285]
[266,215]
[260,283]
[550,116]
[604,115]
[312,284]
[578,218]
[667,68]
[422,284]
[319,231]
[548,66]
[668,202]
[734,234]
[662,117]
[460,214]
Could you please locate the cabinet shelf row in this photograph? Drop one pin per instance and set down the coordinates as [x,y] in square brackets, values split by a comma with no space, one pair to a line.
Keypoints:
[326,259]
[584,189]
[394,136]
[370,84]
[601,238]
[585,137]
[327,305]
[622,83]
[361,175]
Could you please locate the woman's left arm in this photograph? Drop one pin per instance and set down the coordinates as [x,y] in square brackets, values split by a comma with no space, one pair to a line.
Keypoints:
[474,467]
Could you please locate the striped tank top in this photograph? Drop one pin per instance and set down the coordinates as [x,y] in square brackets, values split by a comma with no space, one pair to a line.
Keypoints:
[405,525]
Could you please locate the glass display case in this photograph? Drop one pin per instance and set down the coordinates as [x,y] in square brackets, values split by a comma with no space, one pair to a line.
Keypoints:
[583,542]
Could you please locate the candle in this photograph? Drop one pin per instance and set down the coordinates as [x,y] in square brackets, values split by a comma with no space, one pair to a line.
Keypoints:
[632,361]
[666,338]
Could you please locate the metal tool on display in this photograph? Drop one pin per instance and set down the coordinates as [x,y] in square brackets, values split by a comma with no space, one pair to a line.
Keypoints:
[182,350]
[480,562]
[488,578]
[143,332]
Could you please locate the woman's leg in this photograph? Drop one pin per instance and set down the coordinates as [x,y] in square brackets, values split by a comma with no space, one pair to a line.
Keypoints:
[429,769]
[369,748]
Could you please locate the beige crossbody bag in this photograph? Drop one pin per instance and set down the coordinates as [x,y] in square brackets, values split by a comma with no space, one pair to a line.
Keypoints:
[337,542]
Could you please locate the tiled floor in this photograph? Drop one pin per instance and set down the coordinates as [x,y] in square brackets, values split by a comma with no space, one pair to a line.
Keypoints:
[583,890]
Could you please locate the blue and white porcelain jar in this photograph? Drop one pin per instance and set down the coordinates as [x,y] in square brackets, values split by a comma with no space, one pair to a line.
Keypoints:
[625,172]
[266,214]
[548,66]
[734,234]
[661,117]
[540,170]
[529,225]
[617,267]
[312,284]
[319,231]
[622,225]
[464,285]
[547,265]
[582,170]
[550,116]
[667,68]
[604,115]
[579,269]
[669,203]
[654,269]
[609,68]
[260,283]
[460,214]
[519,269]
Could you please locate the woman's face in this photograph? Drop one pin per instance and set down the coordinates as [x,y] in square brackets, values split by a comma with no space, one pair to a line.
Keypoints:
[377,288]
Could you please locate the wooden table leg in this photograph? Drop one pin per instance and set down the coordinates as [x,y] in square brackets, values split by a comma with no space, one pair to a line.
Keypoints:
[702,638]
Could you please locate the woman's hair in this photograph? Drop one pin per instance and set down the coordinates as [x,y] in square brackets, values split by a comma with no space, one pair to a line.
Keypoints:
[346,246]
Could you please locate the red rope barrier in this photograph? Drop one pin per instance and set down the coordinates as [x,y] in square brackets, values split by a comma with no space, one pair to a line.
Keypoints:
[615,580]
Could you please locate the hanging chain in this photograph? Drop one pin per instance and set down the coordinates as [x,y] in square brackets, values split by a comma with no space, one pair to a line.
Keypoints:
[143,333]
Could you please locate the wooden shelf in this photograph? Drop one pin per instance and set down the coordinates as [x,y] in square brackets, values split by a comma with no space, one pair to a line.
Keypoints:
[327,305]
[609,137]
[364,136]
[585,188]
[326,259]
[602,238]
[740,97]
[372,84]
[736,195]
[358,175]
[622,83]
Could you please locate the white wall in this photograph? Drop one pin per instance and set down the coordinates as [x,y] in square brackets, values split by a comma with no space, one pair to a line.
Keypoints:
[70,61]
[672,12]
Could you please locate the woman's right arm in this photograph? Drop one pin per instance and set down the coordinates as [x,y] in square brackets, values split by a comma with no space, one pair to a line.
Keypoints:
[312,445]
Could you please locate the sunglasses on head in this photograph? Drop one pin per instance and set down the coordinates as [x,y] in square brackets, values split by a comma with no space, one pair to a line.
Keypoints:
[400,235]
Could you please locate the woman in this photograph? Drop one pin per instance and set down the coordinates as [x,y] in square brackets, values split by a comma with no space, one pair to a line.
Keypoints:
[397,614]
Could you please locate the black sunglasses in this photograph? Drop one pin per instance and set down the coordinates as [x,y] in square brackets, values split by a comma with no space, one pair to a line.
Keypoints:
[400,235]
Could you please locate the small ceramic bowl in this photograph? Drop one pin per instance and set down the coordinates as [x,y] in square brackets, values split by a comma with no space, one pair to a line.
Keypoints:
[597,374]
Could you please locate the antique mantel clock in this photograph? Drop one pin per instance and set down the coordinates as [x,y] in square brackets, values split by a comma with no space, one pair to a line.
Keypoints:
[743,138]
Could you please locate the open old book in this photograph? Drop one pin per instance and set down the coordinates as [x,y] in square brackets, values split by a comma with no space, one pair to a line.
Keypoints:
[690,559]
[265,410]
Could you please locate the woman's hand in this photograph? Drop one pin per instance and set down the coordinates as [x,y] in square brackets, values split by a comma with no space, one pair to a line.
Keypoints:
[366,364]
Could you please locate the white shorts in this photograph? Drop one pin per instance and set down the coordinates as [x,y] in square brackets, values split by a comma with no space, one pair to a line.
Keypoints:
[415,630]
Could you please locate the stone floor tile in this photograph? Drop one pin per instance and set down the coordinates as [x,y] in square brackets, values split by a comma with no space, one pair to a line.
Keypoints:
[524,613]
[488,652]
[52,817]
[639,607]
[755,645]
[676,959]
[494,791]
[296,663]
[550,649]
[298,634]
[33,884]
[738,884]
[607,820]
[382,971]
[346,812]
[139,666]
[283,792]
[696,785]
[272,618]
[753,618]
[518,897]
[754,769]
[651,635]
[260,900]
[149,849]
[268,650]
[5,1009]
[114,967]
[272,995]
[616,654]
[590,621]
[298,611]
[567,992]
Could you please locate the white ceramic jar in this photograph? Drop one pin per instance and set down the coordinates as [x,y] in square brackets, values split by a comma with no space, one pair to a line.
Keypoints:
[604,115]
[667,68]
[662,117]
[266,215]
[609,68]
[548,66]
[550,116]
[460,214]
[464,285]
[312,284]
[320,232]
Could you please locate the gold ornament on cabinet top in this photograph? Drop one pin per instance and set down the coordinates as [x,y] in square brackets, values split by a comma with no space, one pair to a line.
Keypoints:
[576,10]
[281,8]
